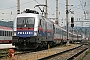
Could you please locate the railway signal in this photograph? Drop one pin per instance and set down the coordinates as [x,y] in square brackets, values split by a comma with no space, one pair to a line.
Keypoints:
[72,21]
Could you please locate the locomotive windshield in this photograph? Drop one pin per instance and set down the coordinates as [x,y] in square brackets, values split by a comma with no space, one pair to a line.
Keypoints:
[25,22]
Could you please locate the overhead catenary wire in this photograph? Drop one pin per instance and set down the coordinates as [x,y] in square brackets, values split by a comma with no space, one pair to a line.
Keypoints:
[49,12]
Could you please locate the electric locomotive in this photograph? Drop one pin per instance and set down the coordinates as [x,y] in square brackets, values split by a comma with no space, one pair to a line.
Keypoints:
[32,30]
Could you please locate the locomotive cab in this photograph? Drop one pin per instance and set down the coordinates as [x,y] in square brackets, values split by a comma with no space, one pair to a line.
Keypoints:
[25,29]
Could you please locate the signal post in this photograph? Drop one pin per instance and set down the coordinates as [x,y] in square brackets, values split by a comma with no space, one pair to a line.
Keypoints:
[72,25]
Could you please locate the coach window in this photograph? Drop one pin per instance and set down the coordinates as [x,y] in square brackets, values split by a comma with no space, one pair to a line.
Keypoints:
[10,33]
[44,25]
[4,33]
[7,33]
[40,23]
[0,33]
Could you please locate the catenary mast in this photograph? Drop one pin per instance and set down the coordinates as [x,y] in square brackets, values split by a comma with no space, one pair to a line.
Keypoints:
[18,6]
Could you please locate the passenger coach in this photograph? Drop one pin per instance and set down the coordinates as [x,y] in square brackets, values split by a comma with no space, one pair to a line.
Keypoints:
[5,34]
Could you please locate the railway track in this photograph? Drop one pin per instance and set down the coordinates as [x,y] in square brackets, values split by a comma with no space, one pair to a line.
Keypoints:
[66,55]
[4,49]
[54,54]
[5,53]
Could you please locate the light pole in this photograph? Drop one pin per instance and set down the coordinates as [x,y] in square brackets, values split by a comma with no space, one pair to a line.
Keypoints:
[67,20]
[67,12]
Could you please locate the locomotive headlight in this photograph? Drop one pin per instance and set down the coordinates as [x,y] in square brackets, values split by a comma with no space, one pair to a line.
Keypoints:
[35,33]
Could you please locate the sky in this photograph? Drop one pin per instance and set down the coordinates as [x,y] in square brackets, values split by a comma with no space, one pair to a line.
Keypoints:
[8,9]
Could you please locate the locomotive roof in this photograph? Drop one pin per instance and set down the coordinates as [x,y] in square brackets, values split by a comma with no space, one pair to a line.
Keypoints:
[5,28]
[27,15]
[30,11]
